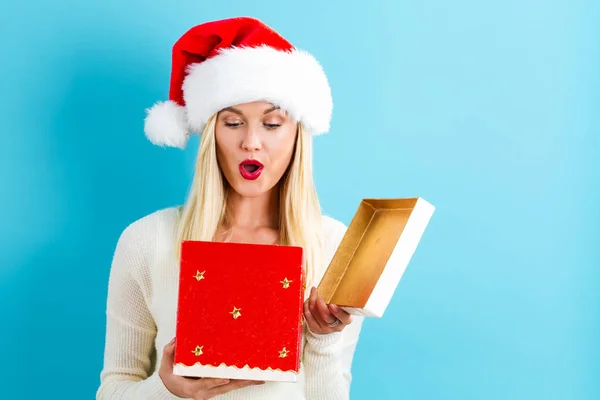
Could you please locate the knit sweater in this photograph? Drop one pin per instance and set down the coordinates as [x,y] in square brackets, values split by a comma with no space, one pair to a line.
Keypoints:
[141,318]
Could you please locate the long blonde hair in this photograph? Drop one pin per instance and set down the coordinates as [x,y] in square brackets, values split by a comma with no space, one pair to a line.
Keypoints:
[299,208]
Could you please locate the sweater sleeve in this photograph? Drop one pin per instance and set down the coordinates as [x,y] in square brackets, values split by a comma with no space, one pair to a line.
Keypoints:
[130,330]
[328,358]
[328,361]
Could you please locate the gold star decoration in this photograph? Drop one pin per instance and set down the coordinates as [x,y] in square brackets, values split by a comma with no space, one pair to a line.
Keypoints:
[236,312]
[198,351]
[286,283]
[283,353]
[199,275]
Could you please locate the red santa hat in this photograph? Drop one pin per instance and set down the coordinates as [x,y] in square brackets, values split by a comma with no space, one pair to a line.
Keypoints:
[223,63]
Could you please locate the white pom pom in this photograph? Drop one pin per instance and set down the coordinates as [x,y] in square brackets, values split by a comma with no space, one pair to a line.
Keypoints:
[166,124]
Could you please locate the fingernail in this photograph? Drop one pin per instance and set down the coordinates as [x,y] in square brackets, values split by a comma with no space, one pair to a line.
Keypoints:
[334,307]
[224,381]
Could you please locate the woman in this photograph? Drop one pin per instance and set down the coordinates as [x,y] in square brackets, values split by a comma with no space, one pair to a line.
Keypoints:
[257,102]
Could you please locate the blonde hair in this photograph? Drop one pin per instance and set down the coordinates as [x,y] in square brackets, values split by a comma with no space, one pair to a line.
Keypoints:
[299,208]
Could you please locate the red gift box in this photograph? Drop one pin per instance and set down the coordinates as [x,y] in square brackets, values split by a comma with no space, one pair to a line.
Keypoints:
[239,312]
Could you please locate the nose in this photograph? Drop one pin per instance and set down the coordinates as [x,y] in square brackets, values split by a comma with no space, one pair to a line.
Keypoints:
[251,140]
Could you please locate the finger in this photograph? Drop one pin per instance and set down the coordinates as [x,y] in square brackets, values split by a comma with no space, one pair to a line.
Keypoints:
[312,304]
[312,323]
[169,354]
[234,385]
[312,298]
[323,312]
[342,315]
[204,384]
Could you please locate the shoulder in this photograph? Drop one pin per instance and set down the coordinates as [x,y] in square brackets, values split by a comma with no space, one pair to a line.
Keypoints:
[142,235]
[332,225]
[164,219]
[333,231]
[142,243]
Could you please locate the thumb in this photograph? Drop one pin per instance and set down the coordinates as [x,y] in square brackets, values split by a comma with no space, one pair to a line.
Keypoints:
[169,353]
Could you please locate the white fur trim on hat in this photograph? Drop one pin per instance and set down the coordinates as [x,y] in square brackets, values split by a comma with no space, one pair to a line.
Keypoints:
[166,124]
[292,80]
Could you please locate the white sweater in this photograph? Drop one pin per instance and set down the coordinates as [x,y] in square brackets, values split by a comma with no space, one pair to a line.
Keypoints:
[141,316]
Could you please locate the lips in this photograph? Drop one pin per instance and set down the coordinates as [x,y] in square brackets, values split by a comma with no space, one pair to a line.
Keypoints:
[251,169]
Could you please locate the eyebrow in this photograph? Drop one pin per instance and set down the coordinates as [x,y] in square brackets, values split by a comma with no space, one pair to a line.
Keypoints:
[271,109]
[236,111]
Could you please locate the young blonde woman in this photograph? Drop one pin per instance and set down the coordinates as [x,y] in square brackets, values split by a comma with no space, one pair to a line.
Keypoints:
[257,102]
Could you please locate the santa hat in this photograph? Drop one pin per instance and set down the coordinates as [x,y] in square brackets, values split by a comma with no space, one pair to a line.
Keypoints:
[223,63]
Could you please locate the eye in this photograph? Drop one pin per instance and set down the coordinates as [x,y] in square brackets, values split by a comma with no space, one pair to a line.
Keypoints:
[232,124]
[272,126]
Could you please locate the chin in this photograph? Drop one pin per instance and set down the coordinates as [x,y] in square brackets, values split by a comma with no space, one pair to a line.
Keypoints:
[251,189]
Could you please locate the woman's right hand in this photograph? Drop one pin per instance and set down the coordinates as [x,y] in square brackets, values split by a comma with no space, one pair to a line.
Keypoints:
[191,388]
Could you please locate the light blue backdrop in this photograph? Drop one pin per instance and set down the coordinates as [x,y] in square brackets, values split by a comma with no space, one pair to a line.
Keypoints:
[487,109]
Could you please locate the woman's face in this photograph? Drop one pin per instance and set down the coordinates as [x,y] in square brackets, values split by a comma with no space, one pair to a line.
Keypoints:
[255,142]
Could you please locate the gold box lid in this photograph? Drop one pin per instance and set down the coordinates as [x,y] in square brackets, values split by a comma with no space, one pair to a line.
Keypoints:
[371,238]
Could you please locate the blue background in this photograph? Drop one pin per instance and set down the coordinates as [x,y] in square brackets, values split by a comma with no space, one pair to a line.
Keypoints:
[487,109]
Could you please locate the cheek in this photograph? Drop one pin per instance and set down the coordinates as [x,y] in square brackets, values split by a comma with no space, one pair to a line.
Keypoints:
[282,151]
[224,151]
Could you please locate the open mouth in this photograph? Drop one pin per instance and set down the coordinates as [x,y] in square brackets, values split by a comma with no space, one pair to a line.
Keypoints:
[251,169]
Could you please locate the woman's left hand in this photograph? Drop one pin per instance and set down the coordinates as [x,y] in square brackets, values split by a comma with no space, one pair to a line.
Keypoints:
[321,318]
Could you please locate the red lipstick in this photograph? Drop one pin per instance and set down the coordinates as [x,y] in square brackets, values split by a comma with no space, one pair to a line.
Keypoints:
[251,169]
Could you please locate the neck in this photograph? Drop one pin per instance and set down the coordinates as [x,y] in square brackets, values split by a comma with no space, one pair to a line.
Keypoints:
[255,212]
